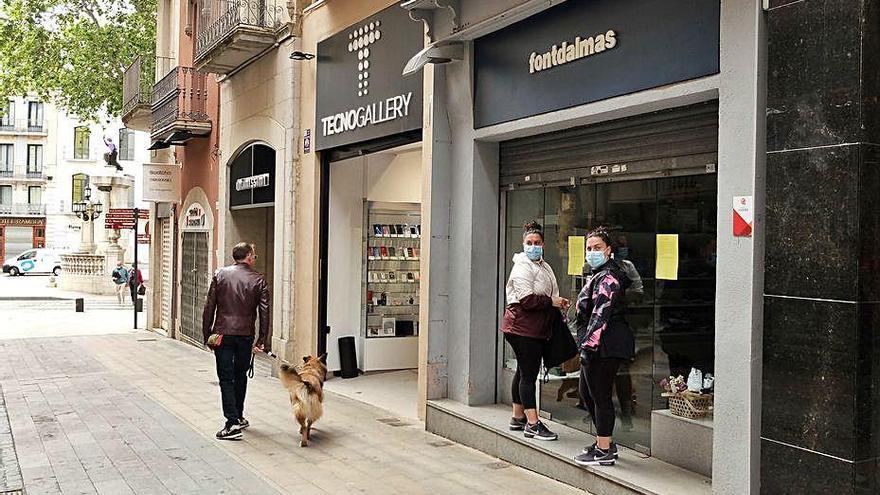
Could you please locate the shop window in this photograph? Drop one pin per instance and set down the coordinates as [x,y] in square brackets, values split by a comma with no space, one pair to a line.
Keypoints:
[126,144]
[672,321]
[81,137]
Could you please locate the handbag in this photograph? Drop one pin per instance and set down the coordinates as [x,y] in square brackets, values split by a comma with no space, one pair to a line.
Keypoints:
[142,290]
[561,346]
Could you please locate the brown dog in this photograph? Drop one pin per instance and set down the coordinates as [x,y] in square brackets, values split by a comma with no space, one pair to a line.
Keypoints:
[306,387]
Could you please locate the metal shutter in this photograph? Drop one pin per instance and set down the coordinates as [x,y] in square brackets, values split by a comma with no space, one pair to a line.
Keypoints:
[681,140]
[166,255]
[19,240]
[194,282]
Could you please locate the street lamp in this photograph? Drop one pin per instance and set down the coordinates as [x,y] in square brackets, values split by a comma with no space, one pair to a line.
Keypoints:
[86,210]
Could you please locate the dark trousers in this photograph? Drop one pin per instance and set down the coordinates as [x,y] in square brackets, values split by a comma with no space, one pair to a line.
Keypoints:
[595,386]
[528,365]
[233,360]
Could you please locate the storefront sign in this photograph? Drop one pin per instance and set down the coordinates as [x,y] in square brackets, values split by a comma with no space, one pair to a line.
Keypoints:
[361,93]
[252,182]
[743,215]
[23,221]
[195,217]
[582,51]
[161,182]
[252,177]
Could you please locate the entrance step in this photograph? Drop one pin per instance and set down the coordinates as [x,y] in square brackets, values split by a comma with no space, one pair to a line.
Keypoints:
[485,428]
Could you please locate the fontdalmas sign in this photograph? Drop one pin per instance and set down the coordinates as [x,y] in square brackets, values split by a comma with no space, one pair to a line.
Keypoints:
[361,93]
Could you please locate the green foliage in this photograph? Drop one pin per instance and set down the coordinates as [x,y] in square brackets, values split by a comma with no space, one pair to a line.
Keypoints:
[73,53]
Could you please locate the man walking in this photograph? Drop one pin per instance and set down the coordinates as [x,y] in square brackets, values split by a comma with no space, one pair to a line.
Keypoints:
[237,294]
[120,279]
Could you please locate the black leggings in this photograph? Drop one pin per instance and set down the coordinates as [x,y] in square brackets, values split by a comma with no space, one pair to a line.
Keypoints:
[528,365]
[595,386]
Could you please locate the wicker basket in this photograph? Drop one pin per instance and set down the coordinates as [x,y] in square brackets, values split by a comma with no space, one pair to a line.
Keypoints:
[690,405]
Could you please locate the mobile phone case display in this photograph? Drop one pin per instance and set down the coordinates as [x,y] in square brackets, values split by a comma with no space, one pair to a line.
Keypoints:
[391,290]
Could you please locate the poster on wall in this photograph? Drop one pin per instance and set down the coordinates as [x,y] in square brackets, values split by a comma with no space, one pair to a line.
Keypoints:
[161,182]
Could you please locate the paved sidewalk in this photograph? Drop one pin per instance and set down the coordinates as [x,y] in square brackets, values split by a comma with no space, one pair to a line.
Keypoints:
[136,413]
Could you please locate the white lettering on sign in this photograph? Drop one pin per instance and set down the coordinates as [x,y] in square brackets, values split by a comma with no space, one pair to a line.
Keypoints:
[571,51]
[252,182]
[372,114]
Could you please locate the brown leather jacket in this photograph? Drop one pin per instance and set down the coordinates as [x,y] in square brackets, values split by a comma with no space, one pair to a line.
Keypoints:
[237,292]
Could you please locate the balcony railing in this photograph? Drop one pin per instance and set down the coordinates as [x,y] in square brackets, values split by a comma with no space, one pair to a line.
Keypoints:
[6,173]
[31,175]
[22,126]
[22,209]
[180,102]
[219,20]
[137,85]
[35,174]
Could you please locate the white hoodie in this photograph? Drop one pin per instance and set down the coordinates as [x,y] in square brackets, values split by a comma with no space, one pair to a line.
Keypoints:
[530,277]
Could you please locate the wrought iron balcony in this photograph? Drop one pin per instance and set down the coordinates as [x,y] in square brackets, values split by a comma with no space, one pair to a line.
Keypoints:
[231,32]
[23,209]
[137,89]
[6,174]
[33,174]
[22,126]
[179,109]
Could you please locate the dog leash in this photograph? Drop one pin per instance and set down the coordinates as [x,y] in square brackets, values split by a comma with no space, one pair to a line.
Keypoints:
[250,372]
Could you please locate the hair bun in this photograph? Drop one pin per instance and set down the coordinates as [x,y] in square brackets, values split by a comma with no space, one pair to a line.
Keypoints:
[532,226]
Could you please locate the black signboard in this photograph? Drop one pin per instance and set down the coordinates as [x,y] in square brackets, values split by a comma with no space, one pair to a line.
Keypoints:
[361,92]
[252,177]
[583,51]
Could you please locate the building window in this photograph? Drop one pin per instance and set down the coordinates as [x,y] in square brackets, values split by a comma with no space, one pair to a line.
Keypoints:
[35,195]
[81,137]
[6,163]
[8,120]
[126,144]
[35,159]
[5,195]
[79,184]
[35,116]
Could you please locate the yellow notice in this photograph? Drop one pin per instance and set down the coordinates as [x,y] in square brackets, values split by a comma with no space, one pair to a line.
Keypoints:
[576,246]
[667,257]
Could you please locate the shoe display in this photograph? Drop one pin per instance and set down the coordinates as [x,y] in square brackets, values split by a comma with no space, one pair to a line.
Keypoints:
[539,432]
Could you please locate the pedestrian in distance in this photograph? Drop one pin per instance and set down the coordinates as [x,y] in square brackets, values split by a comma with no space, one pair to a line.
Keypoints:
[120,281]
[135,282]
[238,294]
[533,305]
[605,342]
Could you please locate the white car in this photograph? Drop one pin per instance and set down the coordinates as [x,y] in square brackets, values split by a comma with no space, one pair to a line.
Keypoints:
[34,261]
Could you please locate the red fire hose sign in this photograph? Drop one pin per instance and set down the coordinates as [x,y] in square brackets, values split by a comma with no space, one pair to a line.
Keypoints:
[743,215]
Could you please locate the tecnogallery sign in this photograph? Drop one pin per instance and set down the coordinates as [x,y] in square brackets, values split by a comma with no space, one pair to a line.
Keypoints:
[361,93]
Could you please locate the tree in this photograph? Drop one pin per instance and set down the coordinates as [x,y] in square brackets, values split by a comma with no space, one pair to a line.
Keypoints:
[73,53]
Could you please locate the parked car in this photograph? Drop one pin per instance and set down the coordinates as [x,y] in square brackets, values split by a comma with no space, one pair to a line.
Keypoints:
[34,261]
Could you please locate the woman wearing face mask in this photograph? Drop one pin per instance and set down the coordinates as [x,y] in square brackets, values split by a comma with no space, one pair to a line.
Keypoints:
[605,342]
[533,303]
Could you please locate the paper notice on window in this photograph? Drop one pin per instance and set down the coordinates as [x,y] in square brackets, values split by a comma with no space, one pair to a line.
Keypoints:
[667,257]
[576,246]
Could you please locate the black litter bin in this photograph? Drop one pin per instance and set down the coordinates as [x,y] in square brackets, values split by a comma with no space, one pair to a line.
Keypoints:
[347,357]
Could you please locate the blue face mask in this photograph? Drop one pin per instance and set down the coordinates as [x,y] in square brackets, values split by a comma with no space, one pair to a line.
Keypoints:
[533,252]
[596,258]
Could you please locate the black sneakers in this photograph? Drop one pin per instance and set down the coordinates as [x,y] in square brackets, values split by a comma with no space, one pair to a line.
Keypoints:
[517,424]
[613,449]
[539,432]
[229,433]
[243,423]
[595,456]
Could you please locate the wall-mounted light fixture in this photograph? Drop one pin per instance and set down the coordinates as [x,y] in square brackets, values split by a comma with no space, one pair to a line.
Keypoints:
[298,55]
